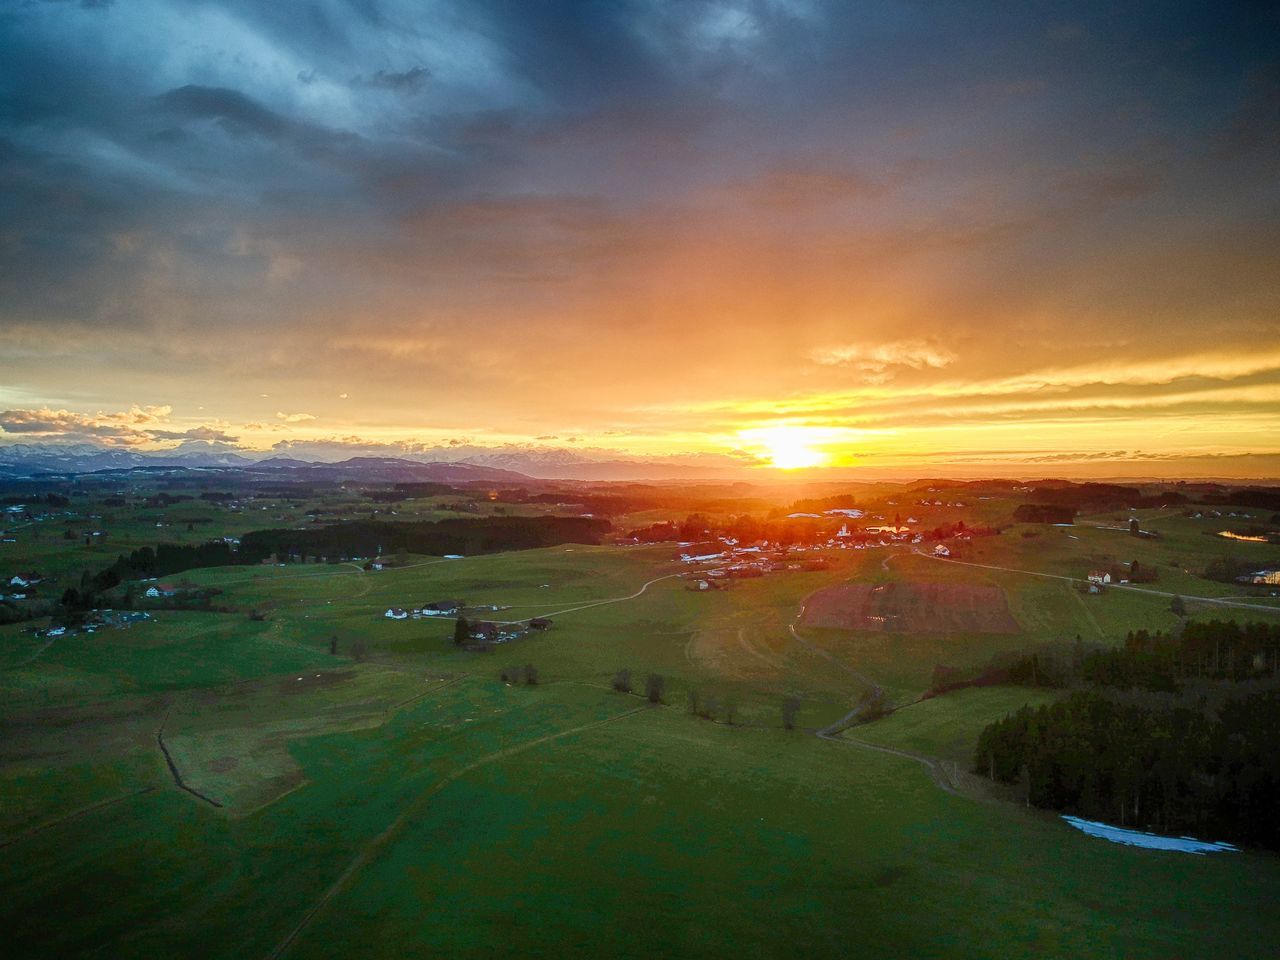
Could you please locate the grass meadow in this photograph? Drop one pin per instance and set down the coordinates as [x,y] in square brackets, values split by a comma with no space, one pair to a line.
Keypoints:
[408,804]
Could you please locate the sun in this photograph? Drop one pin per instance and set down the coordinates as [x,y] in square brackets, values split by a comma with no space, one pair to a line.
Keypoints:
[788,447]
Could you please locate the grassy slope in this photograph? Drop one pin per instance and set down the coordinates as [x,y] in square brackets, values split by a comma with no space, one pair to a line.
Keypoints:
[750,842]
[743,841]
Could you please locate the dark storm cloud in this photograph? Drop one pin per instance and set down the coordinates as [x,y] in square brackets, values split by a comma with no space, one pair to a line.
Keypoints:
[241,116]
[444,187]
[405,81]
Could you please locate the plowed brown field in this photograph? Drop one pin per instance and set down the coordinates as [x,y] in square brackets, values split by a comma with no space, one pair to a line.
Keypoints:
[911,608]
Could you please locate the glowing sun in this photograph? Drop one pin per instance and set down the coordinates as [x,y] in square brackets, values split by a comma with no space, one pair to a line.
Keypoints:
[788,447]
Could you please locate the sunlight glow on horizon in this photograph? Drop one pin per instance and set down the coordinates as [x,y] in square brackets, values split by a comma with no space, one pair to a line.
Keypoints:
[788,447]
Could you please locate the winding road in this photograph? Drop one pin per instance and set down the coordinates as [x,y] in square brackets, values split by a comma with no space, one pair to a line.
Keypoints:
[835,732]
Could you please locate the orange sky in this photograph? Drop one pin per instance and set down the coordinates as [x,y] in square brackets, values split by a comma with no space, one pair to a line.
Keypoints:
[740,234]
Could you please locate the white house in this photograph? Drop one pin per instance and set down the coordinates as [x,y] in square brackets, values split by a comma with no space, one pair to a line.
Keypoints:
[396,613]
[1099,576]
[941,551]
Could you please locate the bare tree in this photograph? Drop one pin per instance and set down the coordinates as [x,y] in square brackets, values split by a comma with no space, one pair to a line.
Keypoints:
[731,711]
[622,680]
[510,675]
[710,707]
[695,699]
[530,674]
[790,707]
[655,685]
[333,646]
[359,651]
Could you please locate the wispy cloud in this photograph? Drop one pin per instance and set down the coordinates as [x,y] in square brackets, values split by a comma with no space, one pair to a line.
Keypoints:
[137,426]
[880,358]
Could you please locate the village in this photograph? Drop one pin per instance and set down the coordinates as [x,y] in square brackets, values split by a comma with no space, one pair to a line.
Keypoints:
[724,559]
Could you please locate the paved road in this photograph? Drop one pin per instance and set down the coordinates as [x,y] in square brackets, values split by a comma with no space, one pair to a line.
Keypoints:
[1112,586]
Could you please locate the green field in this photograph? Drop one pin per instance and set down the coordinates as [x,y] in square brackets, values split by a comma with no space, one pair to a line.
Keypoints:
[407,803]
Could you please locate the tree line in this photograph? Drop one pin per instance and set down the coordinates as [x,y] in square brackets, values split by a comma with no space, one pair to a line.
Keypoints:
[1173,733]
[465,536]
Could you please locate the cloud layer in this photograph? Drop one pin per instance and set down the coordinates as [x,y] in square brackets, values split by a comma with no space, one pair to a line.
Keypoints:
[928,229]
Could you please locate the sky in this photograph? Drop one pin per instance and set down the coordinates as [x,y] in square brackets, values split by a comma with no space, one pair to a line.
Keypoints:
[770,235]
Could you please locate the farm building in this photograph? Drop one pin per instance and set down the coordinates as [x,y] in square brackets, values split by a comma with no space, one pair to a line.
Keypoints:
[162,590]
[1262,577]
[441,608]
[941,551]
[396,613]
[1099,576]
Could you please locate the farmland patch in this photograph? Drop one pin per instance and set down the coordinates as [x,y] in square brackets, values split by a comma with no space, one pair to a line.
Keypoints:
[911,608]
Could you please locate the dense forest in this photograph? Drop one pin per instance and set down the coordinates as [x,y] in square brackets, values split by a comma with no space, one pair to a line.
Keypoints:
[367,538]
[1172,733]
[1044,513]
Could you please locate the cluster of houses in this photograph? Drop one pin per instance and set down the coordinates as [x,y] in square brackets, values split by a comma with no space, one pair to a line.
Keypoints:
[22,586]
[1261,578]
[97,620]
[480,631]
[1097,580]
[489,631]
[437,608]
[727,560]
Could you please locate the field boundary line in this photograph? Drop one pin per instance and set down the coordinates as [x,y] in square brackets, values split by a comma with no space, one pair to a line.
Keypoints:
[374,846]
[39,828]
[173,767]
[426,693]
[31,659]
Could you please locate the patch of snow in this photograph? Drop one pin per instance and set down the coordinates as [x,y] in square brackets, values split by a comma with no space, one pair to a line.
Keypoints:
[1152,841]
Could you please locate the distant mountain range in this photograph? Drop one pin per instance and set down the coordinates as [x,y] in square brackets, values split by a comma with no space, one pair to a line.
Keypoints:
[35,459]
[570,465]
[506,465]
